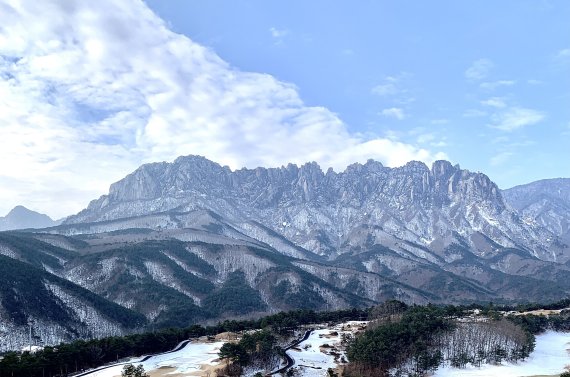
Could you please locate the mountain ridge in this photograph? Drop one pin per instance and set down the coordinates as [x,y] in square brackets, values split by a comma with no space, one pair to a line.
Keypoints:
[182,242]
[21,217]
[419,204]
[545,202]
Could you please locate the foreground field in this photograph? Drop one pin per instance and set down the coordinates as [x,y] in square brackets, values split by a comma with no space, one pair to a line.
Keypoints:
[196,359]
[550,358]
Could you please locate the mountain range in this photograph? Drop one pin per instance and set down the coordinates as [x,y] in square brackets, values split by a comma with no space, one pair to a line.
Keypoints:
[190,241]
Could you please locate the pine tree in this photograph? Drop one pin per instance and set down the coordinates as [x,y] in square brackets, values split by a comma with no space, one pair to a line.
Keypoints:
[131,371]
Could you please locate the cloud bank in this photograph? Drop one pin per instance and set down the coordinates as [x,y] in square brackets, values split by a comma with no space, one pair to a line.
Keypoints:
[89,90]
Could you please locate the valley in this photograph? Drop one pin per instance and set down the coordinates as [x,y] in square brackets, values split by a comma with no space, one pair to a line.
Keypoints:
[284,188]
[174,244]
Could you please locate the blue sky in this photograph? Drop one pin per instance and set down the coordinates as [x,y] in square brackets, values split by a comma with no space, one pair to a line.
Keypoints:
[89,91]
[416,53]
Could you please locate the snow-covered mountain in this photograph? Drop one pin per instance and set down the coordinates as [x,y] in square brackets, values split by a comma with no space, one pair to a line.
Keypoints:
[192,241]
[22,218]
[329,213]
[545,203]
[40,307]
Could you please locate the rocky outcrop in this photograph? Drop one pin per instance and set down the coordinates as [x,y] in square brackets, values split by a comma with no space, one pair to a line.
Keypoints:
[319,211]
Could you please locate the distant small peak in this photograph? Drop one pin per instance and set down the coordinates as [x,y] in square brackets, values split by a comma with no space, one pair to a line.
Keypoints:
[19,209]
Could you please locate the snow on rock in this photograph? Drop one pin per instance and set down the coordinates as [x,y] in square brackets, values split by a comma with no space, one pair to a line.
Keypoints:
[236,258]
[551,356]
[96,323]
[9,252]
[163,275]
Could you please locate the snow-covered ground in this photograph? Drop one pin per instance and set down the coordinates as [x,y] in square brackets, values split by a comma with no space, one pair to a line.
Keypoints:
[550,357]
[312,359]
[188,362]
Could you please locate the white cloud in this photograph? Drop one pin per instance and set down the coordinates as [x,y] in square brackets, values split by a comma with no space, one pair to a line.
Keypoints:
[392,85]
[562,57]
[394,112]
[385,89]
[426,138]
[514,118]
[90,90]
[496,102]
[278,33]
[496,84]
[479,69]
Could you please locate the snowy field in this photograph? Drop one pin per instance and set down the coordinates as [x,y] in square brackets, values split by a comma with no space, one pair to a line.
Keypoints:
[312,359]
[189,361]
[550,357]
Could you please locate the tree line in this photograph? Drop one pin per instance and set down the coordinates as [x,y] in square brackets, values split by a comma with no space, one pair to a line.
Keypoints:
[411,339]
[80,355]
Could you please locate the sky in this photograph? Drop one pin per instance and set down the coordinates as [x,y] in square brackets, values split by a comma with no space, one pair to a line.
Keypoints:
[90,90]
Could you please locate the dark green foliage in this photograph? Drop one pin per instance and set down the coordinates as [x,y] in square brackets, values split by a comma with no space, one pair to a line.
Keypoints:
[355,287]
[536,324]
[391,344]
[82,354]
[131,371]
[387,310]
[23,292]
[181,315]
[259,347]
[562,304]
[234,352]
[234,297]
[181,309]
[302,297]
[35,252]
[154,251]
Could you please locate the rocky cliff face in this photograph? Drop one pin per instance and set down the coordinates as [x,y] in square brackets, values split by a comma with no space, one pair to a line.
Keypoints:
[329,213]
[545,203]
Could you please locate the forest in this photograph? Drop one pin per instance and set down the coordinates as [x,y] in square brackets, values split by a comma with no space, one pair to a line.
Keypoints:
[80,355]
[407,339]
[411,341]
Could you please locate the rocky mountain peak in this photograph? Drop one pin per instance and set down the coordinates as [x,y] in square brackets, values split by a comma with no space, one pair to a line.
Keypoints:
[545,202]
[443,168]
[412,201]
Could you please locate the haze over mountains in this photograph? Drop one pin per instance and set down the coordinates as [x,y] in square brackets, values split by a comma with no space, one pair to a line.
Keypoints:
[546,201]
[22,218]
[191,240]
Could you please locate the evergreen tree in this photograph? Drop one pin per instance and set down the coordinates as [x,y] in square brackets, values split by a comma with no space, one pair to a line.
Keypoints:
[131,371]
